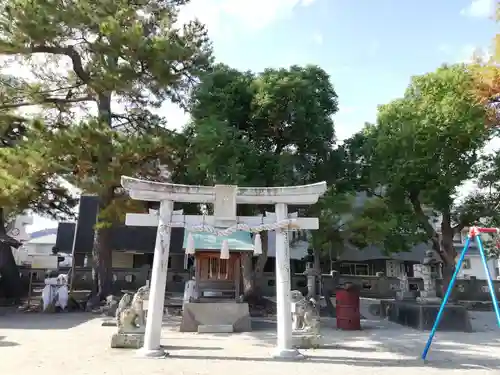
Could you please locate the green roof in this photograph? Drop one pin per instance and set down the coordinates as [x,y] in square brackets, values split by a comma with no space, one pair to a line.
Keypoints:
[239,241]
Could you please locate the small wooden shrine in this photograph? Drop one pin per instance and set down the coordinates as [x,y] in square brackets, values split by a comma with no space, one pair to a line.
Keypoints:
[217,263]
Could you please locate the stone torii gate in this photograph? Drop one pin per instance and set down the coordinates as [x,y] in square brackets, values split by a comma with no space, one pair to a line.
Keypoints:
[225,198]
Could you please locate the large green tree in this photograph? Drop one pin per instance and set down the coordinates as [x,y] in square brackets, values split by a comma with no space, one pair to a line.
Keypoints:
[422,148]
[28,181]
[105,64]
[273,128]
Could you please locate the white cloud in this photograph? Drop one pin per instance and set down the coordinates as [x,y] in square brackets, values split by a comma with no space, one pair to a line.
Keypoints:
[317,38]
[254,15]
[469,52]
[479,9]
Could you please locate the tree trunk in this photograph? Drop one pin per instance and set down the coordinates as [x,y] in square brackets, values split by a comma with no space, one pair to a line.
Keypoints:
[447,251]
[247,274]
[253,273]
[442,243]
[10,279]
[102,255]
[262,259]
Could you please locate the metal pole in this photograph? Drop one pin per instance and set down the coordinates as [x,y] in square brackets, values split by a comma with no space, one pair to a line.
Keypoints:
[488,279]
[446,297]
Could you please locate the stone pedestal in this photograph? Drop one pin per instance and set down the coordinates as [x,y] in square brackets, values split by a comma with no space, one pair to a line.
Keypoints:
[306,340]
[428,294]
[455,318]
[109,323]
[429,297]
[127,340]
[405,296]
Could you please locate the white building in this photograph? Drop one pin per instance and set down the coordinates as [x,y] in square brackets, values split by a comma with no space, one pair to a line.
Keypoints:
[473,265]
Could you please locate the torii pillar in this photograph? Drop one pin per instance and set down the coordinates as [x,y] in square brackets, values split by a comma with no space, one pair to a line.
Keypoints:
[225,198]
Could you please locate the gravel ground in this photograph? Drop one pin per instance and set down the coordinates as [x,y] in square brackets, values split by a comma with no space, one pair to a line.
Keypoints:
[77,344]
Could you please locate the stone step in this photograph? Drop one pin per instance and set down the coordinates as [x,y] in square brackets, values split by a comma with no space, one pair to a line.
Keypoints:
[219,328]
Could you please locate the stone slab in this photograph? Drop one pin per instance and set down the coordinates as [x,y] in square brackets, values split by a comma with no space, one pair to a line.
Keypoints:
[127,340]
[219,313]
[455,318]
[218,328]
[306,341]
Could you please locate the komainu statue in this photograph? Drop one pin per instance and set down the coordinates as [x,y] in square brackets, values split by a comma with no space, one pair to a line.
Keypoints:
[130,315]
[305,317]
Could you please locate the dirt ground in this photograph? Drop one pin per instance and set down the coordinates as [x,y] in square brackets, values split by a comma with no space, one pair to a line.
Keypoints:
[77,344]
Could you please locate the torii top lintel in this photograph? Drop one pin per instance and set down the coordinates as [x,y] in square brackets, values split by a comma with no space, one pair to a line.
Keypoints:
[157,191]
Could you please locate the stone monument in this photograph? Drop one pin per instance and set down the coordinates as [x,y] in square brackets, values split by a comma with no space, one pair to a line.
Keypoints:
[421,313]
[428,295]
[131,321]
[404,293]
[305,321]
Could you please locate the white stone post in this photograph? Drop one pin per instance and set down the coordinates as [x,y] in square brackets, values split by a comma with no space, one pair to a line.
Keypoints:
[284,347]
[152,336]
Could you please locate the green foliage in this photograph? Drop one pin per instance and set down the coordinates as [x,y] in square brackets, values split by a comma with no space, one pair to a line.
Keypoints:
[132,49]
[119,57]
[361,220]
[422,148]
[29,167]
[268,129]
[428,141]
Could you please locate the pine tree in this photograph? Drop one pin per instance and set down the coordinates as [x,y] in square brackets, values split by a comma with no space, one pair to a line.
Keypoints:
[28,181]
[98,69]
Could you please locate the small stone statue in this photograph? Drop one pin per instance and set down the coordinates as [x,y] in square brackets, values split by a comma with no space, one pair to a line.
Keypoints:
[404,286]
[305,321]
[305,315]
[130,320]
[130,316]
[428,295]
[404,293]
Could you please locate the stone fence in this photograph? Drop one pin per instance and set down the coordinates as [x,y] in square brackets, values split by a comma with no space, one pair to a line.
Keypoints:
[370,286]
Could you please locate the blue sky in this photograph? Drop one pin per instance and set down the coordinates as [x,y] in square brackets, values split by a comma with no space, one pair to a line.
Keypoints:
[370,48]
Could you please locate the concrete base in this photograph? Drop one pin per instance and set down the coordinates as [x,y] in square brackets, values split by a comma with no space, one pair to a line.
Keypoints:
[109,323]
[221,328]
[419,316]
[306,340]
[127,340]
[405,296]
[288,354]
[230,313]
[151,353]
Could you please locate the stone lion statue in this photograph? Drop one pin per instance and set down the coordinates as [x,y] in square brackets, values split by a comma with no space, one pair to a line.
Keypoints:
[130,315]
[304,314]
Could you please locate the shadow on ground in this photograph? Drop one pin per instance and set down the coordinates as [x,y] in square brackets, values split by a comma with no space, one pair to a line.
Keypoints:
[487,364]
[449,350]
[4,343]
[41,321]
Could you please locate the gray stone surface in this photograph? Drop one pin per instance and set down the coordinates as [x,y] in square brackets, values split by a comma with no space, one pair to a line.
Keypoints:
[381,348]
[127,340]
[306,341]
[216,313]
[423,316]
[215,328]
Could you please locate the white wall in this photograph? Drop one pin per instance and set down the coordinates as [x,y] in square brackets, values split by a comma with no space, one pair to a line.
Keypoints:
[474,267]
[39,248]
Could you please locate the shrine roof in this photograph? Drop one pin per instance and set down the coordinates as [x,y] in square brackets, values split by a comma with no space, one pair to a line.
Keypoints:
[240,241]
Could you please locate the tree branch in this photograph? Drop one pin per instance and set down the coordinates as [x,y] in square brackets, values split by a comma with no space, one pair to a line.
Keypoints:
[57,101]
[70,51]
